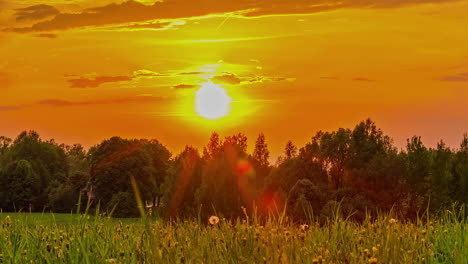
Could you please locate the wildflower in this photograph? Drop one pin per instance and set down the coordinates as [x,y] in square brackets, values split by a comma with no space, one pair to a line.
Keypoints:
[111,260]
[304,227]
[372,260]
[213,220]
[374,249]
[318,259]
[392,220]
[8,220]
[423,231]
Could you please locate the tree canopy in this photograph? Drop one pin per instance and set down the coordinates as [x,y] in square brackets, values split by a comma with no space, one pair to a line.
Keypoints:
[358,168]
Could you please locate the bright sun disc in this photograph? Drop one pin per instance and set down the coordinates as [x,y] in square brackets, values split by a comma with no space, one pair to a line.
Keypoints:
[212,101]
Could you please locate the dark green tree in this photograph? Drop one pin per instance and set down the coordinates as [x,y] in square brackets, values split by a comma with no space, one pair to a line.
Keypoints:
[181,183]
[116,160]
[19,187]
[290,150]
[460,172]
[335,148]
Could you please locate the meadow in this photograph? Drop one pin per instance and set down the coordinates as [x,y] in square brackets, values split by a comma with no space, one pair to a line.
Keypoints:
[82,238]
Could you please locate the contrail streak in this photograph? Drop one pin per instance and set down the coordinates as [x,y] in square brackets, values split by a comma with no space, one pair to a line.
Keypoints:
[224,21]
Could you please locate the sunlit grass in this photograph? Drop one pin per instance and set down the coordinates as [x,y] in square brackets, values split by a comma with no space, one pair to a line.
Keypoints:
[61,238]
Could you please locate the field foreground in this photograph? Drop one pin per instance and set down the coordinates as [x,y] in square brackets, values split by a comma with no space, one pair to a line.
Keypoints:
[59,238]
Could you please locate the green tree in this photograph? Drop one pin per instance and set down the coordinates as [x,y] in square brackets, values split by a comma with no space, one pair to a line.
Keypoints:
[419,163]
[290,150]
[335,149]
[441,178]
[460,172]
[4,144]
[305,198]
[181,183]
[47,160]
[19,186]
[116,160]
[260,161]
[261,153]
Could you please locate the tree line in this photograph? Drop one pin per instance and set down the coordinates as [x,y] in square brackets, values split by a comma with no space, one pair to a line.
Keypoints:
[360,169]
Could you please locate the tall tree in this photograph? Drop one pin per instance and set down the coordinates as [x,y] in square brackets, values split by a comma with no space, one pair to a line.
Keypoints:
[4,144]
[261,153]
[290,150]
[214,146]
[116,160]
[460,172]
[20,186]
[182,181]
[47,160]
[441,178]
[335,148]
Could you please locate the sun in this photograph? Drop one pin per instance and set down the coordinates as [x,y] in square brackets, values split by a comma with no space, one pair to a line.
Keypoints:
[212,101]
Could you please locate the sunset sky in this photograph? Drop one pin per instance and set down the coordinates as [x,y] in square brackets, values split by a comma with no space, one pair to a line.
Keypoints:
[80,71]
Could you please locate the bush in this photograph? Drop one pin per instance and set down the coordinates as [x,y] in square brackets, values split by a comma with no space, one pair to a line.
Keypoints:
[123,204]
[63,198]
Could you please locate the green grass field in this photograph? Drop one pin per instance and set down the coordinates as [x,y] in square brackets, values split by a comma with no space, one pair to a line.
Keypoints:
[67,238]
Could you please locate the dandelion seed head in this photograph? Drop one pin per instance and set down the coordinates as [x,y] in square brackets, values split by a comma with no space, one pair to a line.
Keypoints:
[213,220]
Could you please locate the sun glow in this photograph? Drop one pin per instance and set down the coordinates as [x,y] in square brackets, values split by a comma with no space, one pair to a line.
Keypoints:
[212,101]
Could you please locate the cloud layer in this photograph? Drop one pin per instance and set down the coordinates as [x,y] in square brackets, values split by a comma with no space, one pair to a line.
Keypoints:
[65,103]
[461,77]
[35,12]
[132,11]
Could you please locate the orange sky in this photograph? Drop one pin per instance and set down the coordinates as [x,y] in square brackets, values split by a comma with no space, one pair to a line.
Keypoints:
[84,70]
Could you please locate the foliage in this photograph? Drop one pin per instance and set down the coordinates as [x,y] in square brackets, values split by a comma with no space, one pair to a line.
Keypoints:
[66,238]
[358,168]
[116,160]
[123,204]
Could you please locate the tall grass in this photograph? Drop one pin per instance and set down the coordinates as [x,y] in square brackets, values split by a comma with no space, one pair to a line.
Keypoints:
[28,238]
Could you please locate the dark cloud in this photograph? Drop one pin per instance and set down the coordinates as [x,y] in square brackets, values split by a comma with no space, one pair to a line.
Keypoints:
[67,103]
[260,79]
[186,86]
[148,74]
[84,82]
[46,35]
[77,81]
[461,77]
[191,73]
[132,11]
[226,78]
[36,12]
[10,108]
[363,79]
[329,78]
[134,99]
[154,25]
